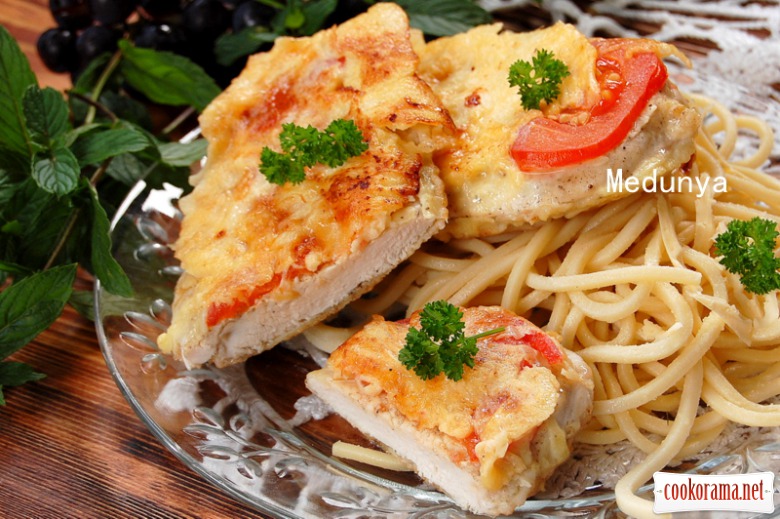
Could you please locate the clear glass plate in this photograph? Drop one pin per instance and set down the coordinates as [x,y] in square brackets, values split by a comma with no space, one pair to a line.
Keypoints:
[239,427]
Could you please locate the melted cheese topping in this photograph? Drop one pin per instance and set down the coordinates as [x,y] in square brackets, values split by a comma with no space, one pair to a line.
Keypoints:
[487,192]
[243,238]
[492,414]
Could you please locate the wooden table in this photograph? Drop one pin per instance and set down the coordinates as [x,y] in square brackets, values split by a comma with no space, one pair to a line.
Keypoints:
[70,446]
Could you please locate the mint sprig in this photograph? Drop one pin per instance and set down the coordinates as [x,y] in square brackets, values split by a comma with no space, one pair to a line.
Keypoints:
[65,162]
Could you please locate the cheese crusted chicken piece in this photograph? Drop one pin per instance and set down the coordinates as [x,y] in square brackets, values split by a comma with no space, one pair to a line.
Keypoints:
[564,168]
[262,261]
[489,440]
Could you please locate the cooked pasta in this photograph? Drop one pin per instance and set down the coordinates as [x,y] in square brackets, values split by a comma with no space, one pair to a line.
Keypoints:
[634,288]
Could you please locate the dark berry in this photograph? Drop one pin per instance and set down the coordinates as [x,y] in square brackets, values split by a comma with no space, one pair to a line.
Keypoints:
[57,49]
[95,41]
[205,19]
[109,12]
[156,9]
[232,4]
[250,14]
[71,14]
[159,37]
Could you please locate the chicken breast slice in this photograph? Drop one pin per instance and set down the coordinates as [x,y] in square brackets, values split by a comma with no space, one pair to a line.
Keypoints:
[262,261]
[489,440]
[488,193]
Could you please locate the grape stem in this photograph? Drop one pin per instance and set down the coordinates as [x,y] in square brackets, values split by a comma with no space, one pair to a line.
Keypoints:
[94,104]
[101,83]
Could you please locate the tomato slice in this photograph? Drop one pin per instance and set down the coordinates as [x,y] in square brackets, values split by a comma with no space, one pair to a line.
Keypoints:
[629,77]
[218,312]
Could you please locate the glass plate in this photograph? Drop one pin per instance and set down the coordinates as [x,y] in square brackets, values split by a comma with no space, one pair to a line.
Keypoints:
[239,427]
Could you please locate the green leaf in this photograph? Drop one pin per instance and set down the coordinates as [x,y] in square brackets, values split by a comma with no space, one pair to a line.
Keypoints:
[95,147]
[25,327]
[315,14]
[58,173]
[15,77]
[79,131]
[166,78]
[7,187]
[43,219]
[13,268]
[231,46]
[83,301]
[444,17]
[182,154]
[17,373]
[106,268]
[127,109]
[127,169]
[89,77]
[46,113]
[31,305]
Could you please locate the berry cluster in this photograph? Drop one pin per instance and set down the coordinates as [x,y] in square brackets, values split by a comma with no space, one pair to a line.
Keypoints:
[88,28]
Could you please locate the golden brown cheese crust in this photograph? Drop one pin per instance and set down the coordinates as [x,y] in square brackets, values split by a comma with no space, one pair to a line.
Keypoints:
[487,192]
[244,239]
[486,422]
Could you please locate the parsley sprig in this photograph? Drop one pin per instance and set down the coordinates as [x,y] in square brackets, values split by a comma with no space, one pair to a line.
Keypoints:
[440,345]
[538,81]
[306,147]
[748,249]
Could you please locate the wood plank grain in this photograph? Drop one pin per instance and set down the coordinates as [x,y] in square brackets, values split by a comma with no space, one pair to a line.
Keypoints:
[71,446]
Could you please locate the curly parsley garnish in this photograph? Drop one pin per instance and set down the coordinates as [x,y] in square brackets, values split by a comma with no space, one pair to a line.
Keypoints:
[440,345]
[540,81]
[306,147]
[748,249]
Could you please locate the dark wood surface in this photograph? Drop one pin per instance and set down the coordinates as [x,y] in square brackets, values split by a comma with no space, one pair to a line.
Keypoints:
[70,446]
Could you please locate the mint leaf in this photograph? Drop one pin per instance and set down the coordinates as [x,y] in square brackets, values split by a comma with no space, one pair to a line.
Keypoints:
[444,17]
[7,186]
[95,147]
[166,78]
[30,306]
[104,265]
[127,169]
[182,154]
[46,113]
[15,77]
[231,46]
[58,173]
[127,109]
[16,374]
[315,14]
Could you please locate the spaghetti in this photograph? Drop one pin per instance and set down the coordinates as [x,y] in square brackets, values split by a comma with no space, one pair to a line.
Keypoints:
[634,288]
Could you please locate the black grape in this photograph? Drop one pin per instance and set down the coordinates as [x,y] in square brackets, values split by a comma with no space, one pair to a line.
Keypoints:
[95,41]
[57,49]
[205,19]
[159,37]
[250,14]
[109,12]
[71,14]
[156,9]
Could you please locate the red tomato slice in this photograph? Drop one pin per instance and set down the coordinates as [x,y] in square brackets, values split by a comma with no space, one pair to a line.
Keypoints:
[631,78]
[219,312]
